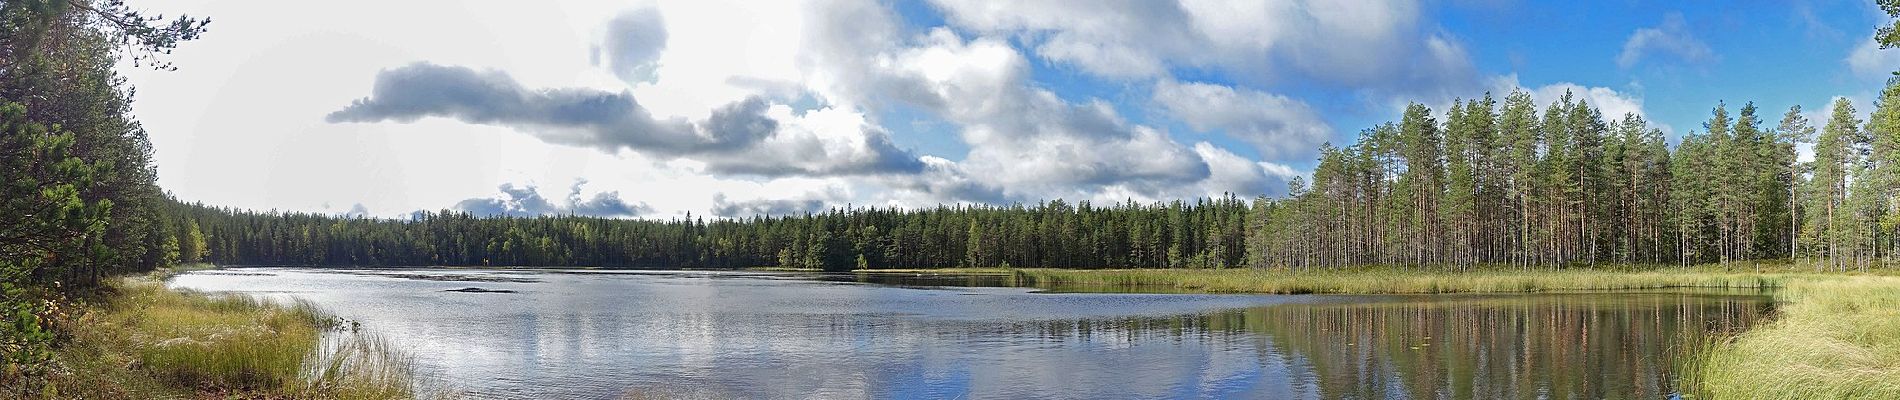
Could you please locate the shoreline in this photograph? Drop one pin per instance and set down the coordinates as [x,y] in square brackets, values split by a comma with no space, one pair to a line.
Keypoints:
[139,338]
[1837,334]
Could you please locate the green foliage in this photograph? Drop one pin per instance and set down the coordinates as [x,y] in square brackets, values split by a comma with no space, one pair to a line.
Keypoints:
[1888,36]
[1207,233]
[25,343]
[77,192]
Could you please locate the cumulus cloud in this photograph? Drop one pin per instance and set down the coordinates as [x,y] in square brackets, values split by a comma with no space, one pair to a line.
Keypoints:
[1671,38]
[1611,103]
[736,138]
[1279,126]
[1378,45]
[1025,142]
[633,44]
[1239,175]
[1030,141]
[527,201]
[821,142]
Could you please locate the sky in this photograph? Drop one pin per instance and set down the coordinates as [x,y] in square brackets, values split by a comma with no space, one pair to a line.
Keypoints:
[731,109]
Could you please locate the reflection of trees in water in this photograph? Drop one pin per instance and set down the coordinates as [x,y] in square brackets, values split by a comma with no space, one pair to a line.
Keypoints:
[1547,346]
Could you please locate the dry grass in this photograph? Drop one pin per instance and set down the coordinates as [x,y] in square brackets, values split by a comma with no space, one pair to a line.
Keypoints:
[147,341]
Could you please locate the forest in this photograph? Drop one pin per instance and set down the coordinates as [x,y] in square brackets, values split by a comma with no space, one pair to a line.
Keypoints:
[1481,184]
[1206,233]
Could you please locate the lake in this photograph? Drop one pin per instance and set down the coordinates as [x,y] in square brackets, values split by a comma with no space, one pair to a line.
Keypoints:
[640,334]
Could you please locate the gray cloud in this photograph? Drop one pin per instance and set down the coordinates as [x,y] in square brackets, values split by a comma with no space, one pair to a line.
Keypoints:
[723,207]
[633,45]
[572,116]
[945,181]
[873,154]
[357,211]
[527,201]
[736,138]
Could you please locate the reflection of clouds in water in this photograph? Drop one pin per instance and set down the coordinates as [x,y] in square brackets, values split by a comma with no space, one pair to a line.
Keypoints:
[726,335]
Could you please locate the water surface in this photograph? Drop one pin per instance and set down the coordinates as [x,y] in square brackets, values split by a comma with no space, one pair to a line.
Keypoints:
[612,334]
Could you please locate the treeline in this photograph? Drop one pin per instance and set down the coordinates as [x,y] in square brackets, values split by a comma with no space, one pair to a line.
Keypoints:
[1206,233]
[1508,185]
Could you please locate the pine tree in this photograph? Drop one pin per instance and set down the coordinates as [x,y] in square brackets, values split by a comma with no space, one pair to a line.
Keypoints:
[1521,136]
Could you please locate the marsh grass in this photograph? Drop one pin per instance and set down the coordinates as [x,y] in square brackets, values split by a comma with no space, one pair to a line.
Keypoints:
[1837,337]
[148,341]
[1373,280]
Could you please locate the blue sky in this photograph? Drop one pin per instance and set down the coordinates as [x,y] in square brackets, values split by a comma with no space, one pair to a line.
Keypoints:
[1777,54]
[653,109]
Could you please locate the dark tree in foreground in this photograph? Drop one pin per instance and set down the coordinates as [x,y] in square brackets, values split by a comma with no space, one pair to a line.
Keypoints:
[78,200]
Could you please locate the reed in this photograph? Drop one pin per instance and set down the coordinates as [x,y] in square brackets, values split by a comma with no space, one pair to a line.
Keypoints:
[1372,280]
[147,341]
[1837,337]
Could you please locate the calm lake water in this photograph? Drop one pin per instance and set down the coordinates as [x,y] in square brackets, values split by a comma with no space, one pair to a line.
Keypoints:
[597,334]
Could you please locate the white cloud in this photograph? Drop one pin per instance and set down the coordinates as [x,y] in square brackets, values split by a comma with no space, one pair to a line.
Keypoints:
[1280,127]
[1611,103]
[1378,46]
[1030,141]
[818,70]
[1239,175]
[1671,38]
[1871,62]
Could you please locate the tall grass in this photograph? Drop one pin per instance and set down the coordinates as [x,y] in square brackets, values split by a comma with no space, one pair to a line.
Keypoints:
[229,342]
[1836,338]
[1388,280]
[147,341]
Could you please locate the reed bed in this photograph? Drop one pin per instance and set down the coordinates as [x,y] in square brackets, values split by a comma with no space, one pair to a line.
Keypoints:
[1837,337]
[147,341]
[1401,281]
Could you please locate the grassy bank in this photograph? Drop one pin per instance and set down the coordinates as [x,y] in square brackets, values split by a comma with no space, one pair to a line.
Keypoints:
[1837,337]
[1389,280]
[142,340]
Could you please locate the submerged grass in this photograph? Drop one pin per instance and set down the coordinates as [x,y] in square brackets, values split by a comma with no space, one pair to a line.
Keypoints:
[147,341]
